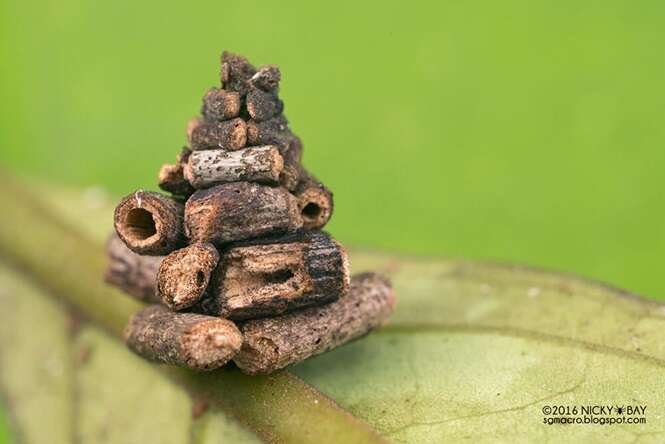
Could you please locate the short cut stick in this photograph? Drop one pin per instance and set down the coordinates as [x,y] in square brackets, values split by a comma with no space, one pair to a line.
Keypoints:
[236,72]
[267,78]
[150,223]
[315,202]
[184,275]
[130,272]
[262,164]
[274,343]
[240,210]
[219,104]
[172,178]
[271,276]
[262,105]
[229,135]
[190,340]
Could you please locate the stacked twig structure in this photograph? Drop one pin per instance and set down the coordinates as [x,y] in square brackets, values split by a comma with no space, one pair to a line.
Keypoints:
[235,258]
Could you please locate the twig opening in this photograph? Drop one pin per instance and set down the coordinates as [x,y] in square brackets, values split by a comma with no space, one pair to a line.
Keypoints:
[311,211]
[140,224]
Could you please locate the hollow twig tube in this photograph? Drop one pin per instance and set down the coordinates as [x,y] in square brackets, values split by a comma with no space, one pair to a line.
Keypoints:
[262,164]
[229,135]
[219,104]
[315,202]
[236,72]
[189,340]
[132,273]
[271,276]
[262,105]
[172,178]
[184,275]
[149,223]
[274,343]
[239,210]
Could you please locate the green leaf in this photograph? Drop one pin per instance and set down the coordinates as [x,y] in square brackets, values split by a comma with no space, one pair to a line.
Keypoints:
[473,352]
[35,366]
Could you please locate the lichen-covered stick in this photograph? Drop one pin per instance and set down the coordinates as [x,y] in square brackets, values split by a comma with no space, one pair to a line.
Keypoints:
[274,343]
[184,275]
[186,339]
[271,276]
[172,177]
[315,202]
[240,210]
[219,105]
[262,164]
[132,273]
[229,135]
[150,223]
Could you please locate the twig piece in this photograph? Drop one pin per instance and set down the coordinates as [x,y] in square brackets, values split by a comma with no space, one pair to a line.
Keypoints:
[268,131]
[267,78]
[262,105]
[186,339]
[230,135]
[193,123]
[172,178]
[149,223]
[271,276]
[274,343]
[239,210]
[219,104]
[236,72]
[253,164]
[276,132]
[184,275]
[315,202]
[132,273]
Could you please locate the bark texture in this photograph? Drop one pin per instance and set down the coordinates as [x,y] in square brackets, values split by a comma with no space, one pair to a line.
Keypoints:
[236,72]
[172,177]
[150,223]
[132,273]
[267,132]
[272,276]
[290,175]
[229,135]
[189,340]
[239,210]
[267,78]
[315,202]
[274,343]
[184,275]
[262,164]
[193,123]
[262,105]
[276,132]
[219,104]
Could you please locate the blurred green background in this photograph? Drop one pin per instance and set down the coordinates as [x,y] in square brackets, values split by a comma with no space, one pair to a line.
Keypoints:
[515,131]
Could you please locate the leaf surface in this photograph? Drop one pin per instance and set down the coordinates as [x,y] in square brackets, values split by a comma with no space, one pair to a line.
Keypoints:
[475,350]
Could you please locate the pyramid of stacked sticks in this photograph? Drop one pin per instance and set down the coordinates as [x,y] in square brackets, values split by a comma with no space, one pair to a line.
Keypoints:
[234,260]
